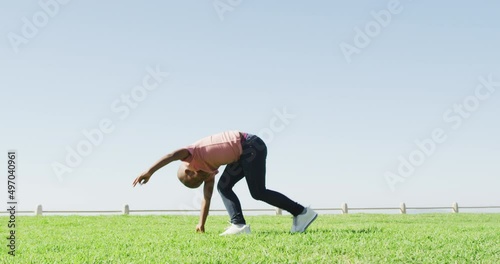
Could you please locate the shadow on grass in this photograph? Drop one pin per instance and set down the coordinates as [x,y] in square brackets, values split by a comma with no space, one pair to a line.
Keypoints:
[321,231]
[271,232]
[368,230]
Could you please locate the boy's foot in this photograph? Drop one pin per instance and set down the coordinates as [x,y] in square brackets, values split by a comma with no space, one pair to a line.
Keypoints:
[236,230]
[302,221]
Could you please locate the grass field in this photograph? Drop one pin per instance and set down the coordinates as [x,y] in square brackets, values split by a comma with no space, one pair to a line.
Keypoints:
[354,238]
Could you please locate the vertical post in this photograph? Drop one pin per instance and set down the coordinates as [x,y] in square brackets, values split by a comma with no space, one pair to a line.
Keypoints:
[126,209]
[279,211]
[402,208]
[345,210]
[455,207]
[39,210]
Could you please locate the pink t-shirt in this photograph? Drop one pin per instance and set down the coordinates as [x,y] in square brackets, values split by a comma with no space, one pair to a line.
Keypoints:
[208,154]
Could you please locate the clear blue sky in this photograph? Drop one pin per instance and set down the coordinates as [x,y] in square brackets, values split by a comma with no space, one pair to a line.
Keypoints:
[352,120]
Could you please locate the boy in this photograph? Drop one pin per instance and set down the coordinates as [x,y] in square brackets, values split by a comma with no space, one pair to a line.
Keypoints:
[245,155]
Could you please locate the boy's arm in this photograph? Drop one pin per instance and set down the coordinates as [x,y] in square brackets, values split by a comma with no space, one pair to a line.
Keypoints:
[179,154]
[208,189]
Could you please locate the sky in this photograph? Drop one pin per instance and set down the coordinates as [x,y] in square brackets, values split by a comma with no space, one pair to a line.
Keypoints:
[371,103]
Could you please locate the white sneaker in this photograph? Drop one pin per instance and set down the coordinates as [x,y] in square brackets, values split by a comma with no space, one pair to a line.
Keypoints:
[236,230]
[302,221]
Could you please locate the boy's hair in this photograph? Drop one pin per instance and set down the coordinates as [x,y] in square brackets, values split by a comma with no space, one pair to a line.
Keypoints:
[181,175]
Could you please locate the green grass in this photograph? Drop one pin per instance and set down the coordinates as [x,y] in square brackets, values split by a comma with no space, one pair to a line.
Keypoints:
[354,238]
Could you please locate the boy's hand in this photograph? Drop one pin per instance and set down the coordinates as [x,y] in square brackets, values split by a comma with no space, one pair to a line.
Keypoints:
[142,179]
[200,228]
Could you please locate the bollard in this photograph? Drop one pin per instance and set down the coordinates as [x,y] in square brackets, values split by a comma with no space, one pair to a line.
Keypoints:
[402,208]
[455,207]
[38,210]
[345,210]
[279,211]
[126,209]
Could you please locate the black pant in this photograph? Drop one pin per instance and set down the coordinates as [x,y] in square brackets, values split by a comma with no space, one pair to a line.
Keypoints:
[252,166]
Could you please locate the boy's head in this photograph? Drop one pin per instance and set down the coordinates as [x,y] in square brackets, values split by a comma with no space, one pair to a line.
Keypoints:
[190,178]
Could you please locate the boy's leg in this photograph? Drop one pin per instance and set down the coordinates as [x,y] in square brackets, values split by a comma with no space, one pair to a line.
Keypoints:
[253,162]
[231,175]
